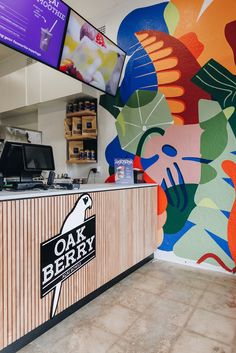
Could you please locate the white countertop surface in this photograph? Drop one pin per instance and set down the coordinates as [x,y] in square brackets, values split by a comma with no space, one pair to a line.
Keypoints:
[26,194]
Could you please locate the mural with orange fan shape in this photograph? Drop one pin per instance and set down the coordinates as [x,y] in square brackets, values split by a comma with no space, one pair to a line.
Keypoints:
[175,65]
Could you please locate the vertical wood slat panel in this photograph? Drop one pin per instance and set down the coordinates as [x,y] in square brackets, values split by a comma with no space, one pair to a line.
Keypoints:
[1,276]
[126,225]
[5,277]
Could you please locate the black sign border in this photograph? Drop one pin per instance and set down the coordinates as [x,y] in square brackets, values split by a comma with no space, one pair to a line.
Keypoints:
[53,238]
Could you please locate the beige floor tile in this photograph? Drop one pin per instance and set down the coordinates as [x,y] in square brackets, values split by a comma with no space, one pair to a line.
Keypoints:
[192,343]
[133,298]
[32,348]
[182,293]
[181,274]
[132,278]
[191,281]
[147,335]
[121,348]
[213,326]
[226,288]
[219,303]
[87,339]
[169,312]
[87,314]
[223,278]
[150,284]
[116,320]
[128,347]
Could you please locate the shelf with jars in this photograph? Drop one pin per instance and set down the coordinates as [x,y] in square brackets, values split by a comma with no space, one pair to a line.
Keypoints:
[81,131]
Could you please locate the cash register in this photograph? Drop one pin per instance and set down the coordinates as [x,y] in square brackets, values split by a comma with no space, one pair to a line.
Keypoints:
[22,163]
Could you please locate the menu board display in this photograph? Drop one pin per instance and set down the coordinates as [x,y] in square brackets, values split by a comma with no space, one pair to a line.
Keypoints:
[51,32]
[91,57]
[34,27]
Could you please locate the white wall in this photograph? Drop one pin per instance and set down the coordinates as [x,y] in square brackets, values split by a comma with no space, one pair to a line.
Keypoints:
[25,121]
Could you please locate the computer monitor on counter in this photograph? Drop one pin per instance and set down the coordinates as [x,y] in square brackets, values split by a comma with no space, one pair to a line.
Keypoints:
[25,161]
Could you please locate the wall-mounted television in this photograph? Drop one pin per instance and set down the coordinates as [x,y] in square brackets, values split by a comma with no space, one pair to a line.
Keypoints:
[34,27]
[51,32]
[90,56]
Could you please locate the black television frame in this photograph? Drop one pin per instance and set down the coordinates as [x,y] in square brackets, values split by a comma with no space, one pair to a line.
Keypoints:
[62,47]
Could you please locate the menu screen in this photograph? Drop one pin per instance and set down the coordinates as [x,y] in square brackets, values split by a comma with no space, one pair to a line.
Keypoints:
[91,57]
[34,27]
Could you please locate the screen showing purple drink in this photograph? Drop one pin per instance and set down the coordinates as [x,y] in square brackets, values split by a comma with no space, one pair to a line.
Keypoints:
[34,27]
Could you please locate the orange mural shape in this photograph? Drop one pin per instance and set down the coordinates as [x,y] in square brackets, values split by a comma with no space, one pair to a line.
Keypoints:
[229,168]
[175,66]
[162,200]
[208,23]
[191,41]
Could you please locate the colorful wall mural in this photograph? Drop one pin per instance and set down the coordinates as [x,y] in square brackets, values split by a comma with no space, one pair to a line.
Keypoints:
[175,117]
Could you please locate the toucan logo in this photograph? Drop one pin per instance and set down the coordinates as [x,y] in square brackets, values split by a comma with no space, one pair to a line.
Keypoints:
[67,252]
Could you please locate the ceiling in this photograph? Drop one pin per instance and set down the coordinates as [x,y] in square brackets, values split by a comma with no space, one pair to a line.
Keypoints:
[5,52]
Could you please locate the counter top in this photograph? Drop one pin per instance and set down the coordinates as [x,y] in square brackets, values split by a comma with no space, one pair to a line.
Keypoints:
[27,194]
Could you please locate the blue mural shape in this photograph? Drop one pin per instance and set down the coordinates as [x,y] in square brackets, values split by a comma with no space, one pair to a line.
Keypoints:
[151,17]
[140,72]
[170,240]
[223,244]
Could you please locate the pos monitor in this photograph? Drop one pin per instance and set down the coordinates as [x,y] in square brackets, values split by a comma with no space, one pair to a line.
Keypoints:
[25,161]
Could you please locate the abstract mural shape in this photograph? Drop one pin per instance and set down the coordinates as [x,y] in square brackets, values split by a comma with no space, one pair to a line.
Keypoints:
[175,66]
[183,141]
[171,15]
[114,150]
[151,17]
[112,104]
[209,26]
[166,44]
[139,66]
[220,83]
[230,30]
[180,204]
[230,169]
[171,239]
[208,109]
[142,71]
[135,122]
[214,137]
[198,242]
[191,41]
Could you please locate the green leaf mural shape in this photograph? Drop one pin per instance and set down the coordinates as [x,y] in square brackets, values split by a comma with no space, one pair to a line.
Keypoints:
[177,216]
[214,137]
[144,111]
[208,173]
[221,84]
[171,15]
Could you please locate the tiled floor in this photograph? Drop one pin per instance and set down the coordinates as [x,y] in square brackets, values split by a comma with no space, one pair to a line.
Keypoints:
[161,308]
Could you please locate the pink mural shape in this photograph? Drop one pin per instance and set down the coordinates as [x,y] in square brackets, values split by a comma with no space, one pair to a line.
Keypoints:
[175,65]
[183,141]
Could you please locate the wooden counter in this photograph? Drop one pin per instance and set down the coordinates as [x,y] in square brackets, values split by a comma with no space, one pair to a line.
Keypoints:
[126,229]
